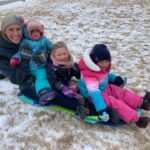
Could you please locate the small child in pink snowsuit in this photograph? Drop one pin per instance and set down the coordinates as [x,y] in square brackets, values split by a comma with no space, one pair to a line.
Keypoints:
[94,84]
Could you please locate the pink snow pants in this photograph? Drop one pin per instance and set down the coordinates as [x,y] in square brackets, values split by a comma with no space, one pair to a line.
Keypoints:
[124,101]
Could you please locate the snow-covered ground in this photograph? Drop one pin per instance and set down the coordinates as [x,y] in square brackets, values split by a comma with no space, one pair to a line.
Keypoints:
[125,28]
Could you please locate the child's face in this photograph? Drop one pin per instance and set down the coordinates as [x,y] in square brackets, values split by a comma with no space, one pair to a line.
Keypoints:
[61,54]
[14,33]
[35,34]
[103,64]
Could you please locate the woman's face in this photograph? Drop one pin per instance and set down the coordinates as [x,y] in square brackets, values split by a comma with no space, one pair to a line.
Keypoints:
[14,33]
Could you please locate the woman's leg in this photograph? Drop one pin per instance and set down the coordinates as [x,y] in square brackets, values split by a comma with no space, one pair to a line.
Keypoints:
[29,91]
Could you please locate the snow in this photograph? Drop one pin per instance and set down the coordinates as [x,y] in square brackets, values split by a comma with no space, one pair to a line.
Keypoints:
[14,4]
[124,27]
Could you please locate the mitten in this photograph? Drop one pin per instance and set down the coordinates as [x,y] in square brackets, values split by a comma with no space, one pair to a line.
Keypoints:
[74,86]
[103,115]
[68,92]
[120,81]
[14,62]
[43,57]
[40,57]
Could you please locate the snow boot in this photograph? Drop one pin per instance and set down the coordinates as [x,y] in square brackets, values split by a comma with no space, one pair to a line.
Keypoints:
[45,97]
[82,110]
[143,122]
[113,115]
[146,101]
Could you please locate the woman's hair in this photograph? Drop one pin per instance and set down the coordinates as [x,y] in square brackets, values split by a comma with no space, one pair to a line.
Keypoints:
[59,45]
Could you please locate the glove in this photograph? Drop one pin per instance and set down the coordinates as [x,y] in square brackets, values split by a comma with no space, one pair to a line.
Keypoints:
[103,115]
[74,86]
[43,57]
[120,81]
[14,62]
[26,52]
[68,92]
[40,57]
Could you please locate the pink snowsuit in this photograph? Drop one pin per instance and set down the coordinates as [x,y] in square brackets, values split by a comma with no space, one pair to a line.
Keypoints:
[124,101]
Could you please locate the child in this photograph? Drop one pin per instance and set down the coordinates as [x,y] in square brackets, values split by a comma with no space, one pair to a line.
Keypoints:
[34,49]
[61,70]
[94,85]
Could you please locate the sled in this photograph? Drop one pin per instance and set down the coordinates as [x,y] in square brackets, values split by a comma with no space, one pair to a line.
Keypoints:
[89,119]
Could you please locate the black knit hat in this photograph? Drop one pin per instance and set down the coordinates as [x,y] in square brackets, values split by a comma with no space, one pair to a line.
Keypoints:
[100,52]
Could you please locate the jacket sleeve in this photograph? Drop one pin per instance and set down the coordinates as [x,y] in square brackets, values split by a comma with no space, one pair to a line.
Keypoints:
[49,44]
[111,77]
[97,100]
[94,92]
[52,78]
[18,75]
[75,71]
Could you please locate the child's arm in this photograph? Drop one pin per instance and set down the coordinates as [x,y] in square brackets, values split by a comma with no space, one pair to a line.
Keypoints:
[94,93]
[49,44]
[43,56]
[75,71]
[92,86]
[56,83]
[117,80]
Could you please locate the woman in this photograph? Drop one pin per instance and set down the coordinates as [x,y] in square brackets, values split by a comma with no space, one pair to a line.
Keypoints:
[10,37]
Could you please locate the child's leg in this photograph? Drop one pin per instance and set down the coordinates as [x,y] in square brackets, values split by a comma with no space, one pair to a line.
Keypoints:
[42,86]
[126,113]
[62,100]
[130,98]
[41,80]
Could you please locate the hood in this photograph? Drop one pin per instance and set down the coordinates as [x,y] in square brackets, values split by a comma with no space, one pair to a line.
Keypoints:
[87,63]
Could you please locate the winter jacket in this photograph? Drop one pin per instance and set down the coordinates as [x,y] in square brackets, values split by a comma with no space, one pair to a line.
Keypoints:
[34,47]
[93,83]
[60,75]
[18,75]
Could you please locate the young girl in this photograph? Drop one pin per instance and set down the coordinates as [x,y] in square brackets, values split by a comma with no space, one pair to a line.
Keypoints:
[94,85]
[34,49]
[60,71]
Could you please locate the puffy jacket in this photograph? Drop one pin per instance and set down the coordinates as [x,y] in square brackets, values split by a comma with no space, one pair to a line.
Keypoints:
[18,75]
